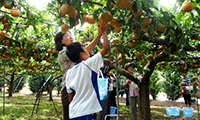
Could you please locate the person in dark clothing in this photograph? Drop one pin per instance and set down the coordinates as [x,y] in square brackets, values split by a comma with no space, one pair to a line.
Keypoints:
[110,100]
[105,103]
[127,95]
[185,82]
[112,90]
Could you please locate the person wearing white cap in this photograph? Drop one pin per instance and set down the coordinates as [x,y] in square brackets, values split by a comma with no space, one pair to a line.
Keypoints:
[133,91]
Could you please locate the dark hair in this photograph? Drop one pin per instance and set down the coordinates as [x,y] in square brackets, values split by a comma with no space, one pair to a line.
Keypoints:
[58,40]
[73,51]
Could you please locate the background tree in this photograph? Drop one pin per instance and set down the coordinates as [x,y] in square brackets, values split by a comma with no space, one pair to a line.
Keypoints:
[171,85]
[11,82]
[155,86]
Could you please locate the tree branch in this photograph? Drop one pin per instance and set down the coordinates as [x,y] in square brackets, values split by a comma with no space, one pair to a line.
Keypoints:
[151,66]
[6,79]
[56,77]
[121,71]
[164,42]
[17,78]
[191,48]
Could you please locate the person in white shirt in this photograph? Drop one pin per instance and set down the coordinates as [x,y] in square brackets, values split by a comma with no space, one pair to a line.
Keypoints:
[81,80]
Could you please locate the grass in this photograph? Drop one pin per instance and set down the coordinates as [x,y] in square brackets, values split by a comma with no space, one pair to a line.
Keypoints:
[20,107]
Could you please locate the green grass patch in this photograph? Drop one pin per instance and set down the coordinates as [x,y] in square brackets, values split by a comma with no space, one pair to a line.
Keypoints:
[20,107]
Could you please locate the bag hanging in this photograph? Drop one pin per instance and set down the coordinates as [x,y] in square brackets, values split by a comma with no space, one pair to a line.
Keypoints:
[103,86]
[189,87]
[198,93]
[183,91]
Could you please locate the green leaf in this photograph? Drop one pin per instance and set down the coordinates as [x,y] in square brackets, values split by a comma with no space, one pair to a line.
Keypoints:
[104,9]
[192,14]
[197,10]
[108,4]
[180,14]
[95,15]
[151,29]
[139,4]
[72,22]
[23,1]
[72,1]
[8,2]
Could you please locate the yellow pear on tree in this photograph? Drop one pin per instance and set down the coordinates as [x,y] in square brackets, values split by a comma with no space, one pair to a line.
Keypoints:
[15,12]
[106,17]
[146,21]
[90,19]
[7,6]
[65,27]
[188,6]
[66,9]
[136,14]
[139,55]
[132,44]
[123,3]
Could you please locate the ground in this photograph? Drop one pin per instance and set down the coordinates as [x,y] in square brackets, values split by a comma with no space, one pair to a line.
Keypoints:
[161,101]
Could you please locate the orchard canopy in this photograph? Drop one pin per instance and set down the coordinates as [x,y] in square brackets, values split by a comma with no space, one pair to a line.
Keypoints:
[139,32]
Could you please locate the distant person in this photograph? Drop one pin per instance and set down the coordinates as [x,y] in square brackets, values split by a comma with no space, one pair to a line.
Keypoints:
[186,82]
[133,91]
[112,89]
[81,80]
[127,95]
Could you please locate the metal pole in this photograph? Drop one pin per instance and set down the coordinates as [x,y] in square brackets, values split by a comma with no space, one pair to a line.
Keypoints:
[18,84]
[117,87]
[198,106]
[4,88]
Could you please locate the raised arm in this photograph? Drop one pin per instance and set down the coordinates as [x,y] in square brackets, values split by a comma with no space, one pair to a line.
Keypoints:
[126,84]
[92,44]
[105,49]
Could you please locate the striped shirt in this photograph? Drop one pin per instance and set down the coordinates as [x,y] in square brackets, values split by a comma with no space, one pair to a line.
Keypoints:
[187,80]
[65,64]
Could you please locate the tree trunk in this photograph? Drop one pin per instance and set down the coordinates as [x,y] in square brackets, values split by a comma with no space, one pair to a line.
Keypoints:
[144,103]
[10,90]
[50,91]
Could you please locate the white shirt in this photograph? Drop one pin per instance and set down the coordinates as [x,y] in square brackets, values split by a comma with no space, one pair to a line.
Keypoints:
[82,80]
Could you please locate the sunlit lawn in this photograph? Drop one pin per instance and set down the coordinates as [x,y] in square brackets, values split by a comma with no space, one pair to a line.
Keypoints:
[20,107]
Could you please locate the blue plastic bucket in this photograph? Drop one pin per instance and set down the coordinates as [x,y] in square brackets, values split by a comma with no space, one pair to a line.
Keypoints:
[173,111]
[188,112]
[112,111]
